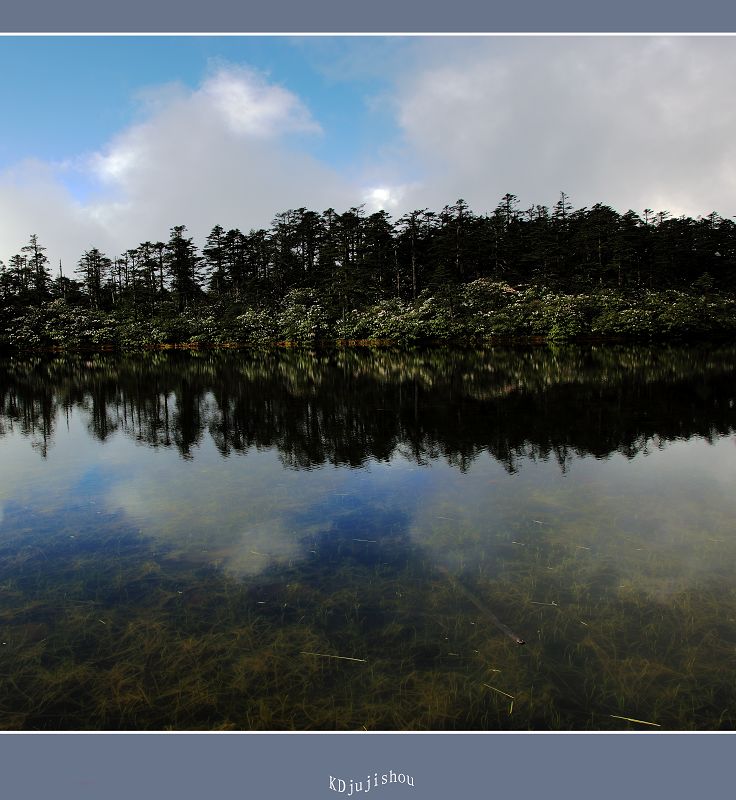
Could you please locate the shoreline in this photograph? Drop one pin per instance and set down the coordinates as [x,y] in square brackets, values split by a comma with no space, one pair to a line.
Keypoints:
[325,345]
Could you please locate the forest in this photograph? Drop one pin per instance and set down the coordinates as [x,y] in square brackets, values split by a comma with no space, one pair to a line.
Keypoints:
[451,276]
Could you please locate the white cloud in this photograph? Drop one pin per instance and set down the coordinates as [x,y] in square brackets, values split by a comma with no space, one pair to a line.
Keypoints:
[252,106]
[224,153]
[632,122]
[629,122]
[32,200]
[390,198]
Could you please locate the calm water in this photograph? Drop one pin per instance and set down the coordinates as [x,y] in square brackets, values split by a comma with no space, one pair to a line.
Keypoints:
[354,540]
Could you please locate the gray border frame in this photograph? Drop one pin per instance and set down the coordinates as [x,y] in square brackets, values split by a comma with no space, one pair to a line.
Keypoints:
[339,16]
[299,766]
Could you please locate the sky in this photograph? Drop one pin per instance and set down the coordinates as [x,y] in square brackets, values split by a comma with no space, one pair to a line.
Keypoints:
[109,141]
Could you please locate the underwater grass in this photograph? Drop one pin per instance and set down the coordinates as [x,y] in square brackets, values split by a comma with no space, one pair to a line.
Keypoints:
[379,620]
[143,641]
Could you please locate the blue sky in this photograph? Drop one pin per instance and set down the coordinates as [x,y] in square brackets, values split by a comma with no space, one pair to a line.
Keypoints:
[108,141]
[71,94]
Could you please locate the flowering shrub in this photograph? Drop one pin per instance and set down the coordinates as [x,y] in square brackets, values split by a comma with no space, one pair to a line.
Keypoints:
[471,313]
[302,317]
[385,320]
[58,324]
[635,323]
[255,325]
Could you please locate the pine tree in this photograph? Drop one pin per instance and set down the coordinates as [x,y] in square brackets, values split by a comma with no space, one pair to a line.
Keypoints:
[94,268]
[214,260]
[40,273]
[183,266]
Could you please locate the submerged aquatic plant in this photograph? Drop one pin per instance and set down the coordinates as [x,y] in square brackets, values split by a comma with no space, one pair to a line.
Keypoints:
[389,603]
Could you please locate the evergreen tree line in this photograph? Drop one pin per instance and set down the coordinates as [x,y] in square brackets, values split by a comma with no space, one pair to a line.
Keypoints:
[354,259]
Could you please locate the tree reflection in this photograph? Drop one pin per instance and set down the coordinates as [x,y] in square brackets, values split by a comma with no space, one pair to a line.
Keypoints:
[346,406]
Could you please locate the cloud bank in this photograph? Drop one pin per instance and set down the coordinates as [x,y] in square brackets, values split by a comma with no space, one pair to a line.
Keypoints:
[631,122]
[227,152]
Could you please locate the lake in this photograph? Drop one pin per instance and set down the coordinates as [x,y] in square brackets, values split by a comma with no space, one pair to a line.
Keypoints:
[358,540]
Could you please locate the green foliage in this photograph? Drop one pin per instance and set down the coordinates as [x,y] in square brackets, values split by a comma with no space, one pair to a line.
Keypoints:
[58,324]
[558,274]
[479,311]
[632,323]
[302,317]
[384,320]
[256,325]
[172,329]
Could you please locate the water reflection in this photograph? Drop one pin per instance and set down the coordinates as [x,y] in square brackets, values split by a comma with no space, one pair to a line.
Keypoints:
[291,540]
[346,407]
